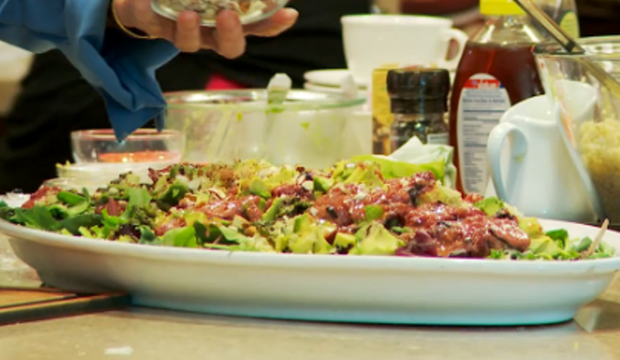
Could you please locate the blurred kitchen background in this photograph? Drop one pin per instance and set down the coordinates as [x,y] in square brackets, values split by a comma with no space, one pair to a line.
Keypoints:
[596,17]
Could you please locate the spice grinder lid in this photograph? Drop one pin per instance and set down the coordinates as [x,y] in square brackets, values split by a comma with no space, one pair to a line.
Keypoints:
[418,90]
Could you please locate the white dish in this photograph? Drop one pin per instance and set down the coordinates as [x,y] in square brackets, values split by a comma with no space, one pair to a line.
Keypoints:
[328,78]
[321,287]
[322,89]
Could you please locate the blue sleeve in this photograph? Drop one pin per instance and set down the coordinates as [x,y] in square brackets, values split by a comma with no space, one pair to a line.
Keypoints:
[124,74]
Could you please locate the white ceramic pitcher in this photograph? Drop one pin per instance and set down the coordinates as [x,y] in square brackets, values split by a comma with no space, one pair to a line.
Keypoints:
[537,174]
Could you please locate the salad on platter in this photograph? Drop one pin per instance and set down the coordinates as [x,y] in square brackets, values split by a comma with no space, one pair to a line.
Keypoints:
[366,205]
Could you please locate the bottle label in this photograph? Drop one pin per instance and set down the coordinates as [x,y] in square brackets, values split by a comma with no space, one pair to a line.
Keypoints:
[381,110]
[382,115]
[438,139]
[483,101]
[570,24]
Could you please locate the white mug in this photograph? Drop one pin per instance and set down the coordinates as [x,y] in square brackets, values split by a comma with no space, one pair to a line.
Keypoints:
[539,175]
[372,41]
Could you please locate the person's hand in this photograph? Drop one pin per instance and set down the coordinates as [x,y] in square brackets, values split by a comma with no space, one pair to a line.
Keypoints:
[228,38]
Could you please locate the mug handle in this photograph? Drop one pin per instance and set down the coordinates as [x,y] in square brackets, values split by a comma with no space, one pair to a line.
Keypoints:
[518,150]
[461,39]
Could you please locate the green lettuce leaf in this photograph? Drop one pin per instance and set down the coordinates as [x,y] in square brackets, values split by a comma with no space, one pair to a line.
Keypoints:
[391,169]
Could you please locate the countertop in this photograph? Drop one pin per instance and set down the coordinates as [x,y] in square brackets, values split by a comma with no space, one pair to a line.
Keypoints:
[152,334]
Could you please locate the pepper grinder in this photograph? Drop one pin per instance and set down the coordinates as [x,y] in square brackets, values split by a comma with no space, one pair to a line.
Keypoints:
[419,102]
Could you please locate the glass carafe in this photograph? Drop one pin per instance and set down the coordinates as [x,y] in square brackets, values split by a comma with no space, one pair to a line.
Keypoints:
[588,115]
[563,12]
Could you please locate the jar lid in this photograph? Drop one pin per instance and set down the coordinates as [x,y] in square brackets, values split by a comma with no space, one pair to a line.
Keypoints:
[418,90]
[500,8]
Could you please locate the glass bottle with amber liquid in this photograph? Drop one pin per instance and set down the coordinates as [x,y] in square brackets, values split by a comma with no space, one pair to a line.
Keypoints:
[497,70]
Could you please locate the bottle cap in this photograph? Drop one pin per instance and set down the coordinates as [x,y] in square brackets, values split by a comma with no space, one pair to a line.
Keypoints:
[418,91]
[500,7]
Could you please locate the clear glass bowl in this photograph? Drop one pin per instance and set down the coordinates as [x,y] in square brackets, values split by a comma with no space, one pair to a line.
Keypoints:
[92,184]
[250,11]
[309,129]
[95,176]
[145,146]
[588,115]
[99,175]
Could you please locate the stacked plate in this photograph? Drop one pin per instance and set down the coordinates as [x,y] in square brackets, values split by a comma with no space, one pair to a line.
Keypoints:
[328,81]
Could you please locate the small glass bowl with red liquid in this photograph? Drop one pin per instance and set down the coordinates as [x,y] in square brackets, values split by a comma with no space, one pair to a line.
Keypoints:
[144,146]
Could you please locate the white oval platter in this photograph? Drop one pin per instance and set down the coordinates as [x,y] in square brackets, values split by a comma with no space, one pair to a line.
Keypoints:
[373,289]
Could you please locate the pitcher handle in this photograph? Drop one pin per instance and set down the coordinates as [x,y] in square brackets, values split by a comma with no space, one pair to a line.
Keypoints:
[496,141]
[461,39]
